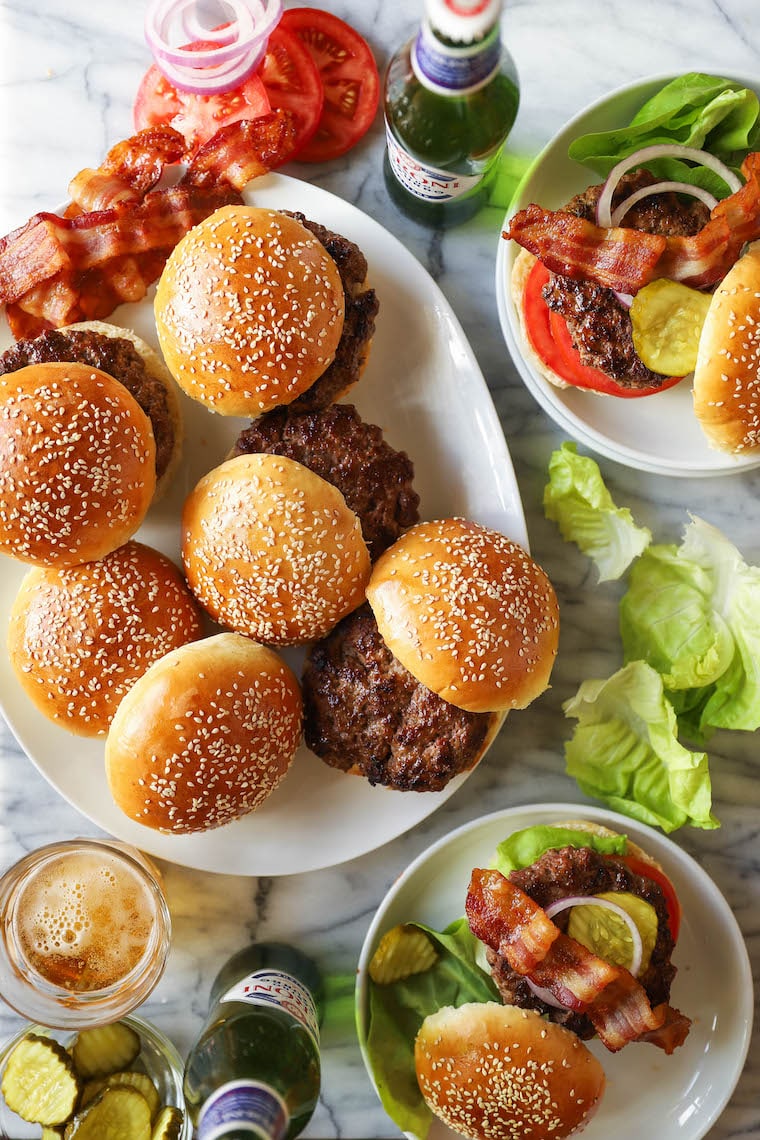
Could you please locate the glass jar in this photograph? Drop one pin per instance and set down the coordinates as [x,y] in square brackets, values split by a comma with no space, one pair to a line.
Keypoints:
[84,933]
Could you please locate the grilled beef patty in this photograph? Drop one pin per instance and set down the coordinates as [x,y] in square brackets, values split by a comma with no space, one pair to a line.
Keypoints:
[600,326]
[567,871]
[365,713]
[115,355]
[336,444]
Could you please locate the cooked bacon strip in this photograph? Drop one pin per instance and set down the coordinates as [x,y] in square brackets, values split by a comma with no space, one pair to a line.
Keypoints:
[508,921]
[129,170]
[626,259]
[512,924]
[243,150]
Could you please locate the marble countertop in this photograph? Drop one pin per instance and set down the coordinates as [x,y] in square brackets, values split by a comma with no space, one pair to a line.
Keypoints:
[70,71]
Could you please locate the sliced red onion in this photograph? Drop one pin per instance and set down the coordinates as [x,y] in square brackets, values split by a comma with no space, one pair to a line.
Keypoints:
[647,153]
[544,995]
[662,188]
[606,904]
[237,45]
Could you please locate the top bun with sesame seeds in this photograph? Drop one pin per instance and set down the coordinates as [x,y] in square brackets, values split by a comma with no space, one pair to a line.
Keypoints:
[727,372]
[77,464]
[468,612]
[495,1072]
[249,310]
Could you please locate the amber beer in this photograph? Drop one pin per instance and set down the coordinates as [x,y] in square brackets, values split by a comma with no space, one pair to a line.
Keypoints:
[85,933]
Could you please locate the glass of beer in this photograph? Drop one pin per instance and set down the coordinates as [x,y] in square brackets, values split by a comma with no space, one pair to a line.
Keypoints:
[84,933]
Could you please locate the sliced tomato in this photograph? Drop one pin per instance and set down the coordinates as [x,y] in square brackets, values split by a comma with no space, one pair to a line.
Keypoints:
[649,871]
[349,76]
[550,337]
[292,81]
[197,117]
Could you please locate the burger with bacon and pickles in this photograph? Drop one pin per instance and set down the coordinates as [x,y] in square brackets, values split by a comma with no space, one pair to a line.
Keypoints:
[580,267]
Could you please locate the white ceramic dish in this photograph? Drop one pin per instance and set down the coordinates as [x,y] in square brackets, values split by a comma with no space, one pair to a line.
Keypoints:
[648,1094]
[659,433]
[423,386]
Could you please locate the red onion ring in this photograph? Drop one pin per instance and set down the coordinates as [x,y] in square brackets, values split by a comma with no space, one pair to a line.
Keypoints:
[640,157]
[240,42]
[591,900]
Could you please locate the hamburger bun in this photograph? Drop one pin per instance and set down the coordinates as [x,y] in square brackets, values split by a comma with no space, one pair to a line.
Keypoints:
[249,310]
[495,1072]
[168,426]
[80,637]
[204,736]
[272,551]
[599,829]
[727,372]
[468,613]
[77,464]
[521,268]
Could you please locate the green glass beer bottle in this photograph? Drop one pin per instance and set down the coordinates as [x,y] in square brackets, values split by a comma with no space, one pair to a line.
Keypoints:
[451,97]
[255,1069]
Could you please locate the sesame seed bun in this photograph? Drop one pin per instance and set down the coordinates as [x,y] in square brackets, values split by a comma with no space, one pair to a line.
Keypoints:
[80,637]
[727,372]
[204,736]
[495,1072]
[249,310]
[272,550]
[468,613]
[166,391]
[77,464]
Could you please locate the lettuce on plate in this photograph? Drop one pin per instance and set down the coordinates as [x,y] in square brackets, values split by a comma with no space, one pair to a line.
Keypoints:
[577,499]
[524,847]
[697,110]
[693,613]
[624,750]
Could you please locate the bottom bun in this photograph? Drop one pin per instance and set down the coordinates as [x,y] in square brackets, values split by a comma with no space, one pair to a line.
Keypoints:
[495,1072]
[600,829]
[204,736]
[521,268]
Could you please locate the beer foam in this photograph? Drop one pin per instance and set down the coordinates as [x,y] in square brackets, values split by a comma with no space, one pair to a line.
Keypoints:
[83,920]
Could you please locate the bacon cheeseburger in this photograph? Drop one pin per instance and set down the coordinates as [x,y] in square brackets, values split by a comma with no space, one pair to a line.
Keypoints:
[578,926]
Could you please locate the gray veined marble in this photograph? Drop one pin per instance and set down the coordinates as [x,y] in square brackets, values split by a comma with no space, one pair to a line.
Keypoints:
[69,73]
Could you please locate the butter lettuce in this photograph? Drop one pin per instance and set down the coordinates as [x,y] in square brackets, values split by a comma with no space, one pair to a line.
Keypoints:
[625,751]
[698,110]
[577,499]
[526,846]
[693,613]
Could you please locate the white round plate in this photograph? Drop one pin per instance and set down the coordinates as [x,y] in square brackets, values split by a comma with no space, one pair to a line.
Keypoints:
[657,433]
[648,1094]
[423,386]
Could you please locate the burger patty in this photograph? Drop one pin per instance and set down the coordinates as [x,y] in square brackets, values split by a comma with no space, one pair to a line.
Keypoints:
[567,871]
[374,479]
[115,355]
[600,326]
[361,307]
[366,714]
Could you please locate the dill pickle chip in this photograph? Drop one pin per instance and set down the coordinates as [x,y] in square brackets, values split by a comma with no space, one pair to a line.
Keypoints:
[667,320]
[131,1077]
[50,1133]
[105,1049]
[168,1124]
[116,1113]
[402,951]
[39,1082]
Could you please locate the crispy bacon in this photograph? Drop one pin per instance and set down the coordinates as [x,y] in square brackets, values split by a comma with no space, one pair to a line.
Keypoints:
[244,150]
[512,924]
[129,170]
[626,259]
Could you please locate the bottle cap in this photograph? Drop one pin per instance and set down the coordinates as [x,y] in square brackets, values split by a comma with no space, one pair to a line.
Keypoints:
[463,20]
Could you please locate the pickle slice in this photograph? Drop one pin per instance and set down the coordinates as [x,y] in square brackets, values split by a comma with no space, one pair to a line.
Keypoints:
[606,934]
[135,1080]
[50,1133]
[401,952]
[39,1082]
[105,1049]
[168,1124]
[667,320]
[116,1113]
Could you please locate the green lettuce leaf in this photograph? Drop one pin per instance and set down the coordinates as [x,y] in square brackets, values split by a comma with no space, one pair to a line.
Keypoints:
[577,499]
[526,846]
[698,110]
[693,613]
[624,751]
[396,1012]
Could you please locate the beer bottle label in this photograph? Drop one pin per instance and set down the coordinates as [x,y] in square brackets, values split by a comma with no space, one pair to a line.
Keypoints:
[276,988]
[424,181]
[250,1105]
[450,70]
